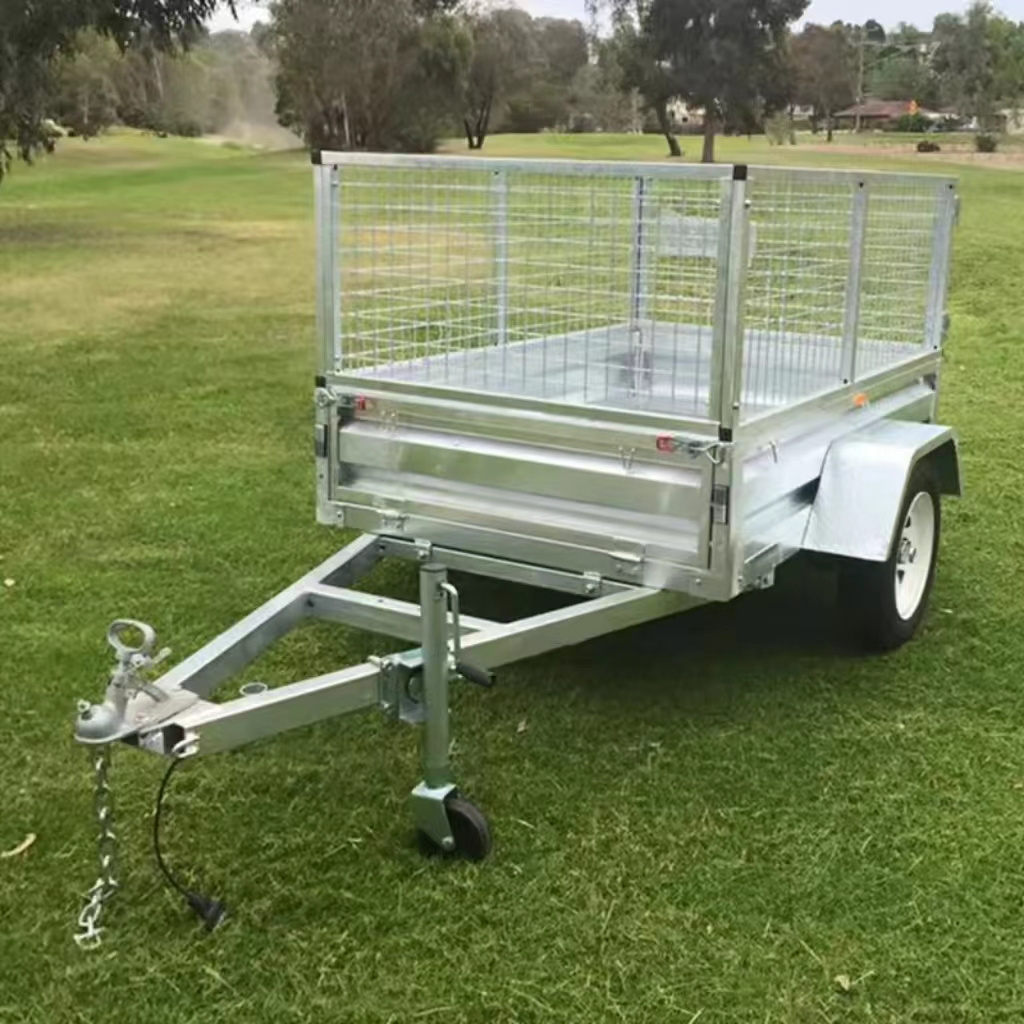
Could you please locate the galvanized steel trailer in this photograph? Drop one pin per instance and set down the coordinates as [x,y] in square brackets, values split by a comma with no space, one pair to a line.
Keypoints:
[646,385]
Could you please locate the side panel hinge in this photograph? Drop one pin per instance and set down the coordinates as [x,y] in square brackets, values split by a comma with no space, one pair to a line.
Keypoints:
[347,405]
[720,504]
[391,520]
[320,441]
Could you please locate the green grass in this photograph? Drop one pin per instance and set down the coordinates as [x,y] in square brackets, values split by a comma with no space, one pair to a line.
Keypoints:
[707,819]
[810,149]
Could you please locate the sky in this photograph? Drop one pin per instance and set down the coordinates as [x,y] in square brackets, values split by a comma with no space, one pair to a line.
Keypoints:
[888,12]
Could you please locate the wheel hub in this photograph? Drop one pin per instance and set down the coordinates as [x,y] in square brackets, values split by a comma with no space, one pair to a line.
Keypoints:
[914,553]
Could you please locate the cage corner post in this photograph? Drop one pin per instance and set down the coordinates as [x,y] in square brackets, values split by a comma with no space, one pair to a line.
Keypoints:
[725,395]
[938,273]
[860,198]
[328,326]
[326,189]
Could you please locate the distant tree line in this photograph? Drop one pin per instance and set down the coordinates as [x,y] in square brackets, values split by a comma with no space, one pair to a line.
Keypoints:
[359,73]
[220,81]
[402,74]
[37,39]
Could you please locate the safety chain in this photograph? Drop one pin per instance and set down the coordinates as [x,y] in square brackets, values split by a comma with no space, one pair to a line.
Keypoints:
[89,934]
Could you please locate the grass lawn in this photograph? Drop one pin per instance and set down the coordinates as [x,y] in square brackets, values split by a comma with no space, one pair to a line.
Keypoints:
[709,818]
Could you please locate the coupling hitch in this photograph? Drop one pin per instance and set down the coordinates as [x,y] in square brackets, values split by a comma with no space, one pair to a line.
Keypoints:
[101,723]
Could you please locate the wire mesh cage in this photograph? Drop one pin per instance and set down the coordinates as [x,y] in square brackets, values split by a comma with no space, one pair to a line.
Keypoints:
[608,285]
[839,287]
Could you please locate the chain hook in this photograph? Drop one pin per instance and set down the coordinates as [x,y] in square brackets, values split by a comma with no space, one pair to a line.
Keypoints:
[89,934]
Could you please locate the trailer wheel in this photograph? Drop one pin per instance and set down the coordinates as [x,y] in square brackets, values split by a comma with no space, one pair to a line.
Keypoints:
[470,830]
[886,601]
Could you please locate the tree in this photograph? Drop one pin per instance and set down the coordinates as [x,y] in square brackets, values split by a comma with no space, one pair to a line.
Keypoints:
[541,105]
[33,36]
[365,74]
[904,76]
[824,72]
[873,32]
[901,68]
[562,47]
[542,99]
[867,38]
[979,58]
[505,55]
[596,99]
[84,93]
[432,93]
[726,56]
[1007,38]
[633,49]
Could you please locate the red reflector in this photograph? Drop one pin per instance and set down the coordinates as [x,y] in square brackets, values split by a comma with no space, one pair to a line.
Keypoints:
[665,443]
[360,403]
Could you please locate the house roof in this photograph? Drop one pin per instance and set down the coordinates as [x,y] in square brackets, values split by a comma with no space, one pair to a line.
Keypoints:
[877,108]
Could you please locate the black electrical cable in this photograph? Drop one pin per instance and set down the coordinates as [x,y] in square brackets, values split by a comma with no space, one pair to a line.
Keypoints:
[210,911]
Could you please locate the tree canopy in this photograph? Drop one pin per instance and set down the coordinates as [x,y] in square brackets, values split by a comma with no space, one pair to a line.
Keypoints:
[724,56]
[980,60]
[824,76]
[505,55]
[634,47]
[361,74]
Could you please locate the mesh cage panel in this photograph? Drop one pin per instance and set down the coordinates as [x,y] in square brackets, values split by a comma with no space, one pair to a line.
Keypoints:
[606,287]
[901,225]
[828,302]
[580,289]
[796,288]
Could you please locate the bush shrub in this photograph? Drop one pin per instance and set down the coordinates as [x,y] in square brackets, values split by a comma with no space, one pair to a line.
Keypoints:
[912,123]
[779,130]
[533,110]
[986,142]
[927,146]
[581,123]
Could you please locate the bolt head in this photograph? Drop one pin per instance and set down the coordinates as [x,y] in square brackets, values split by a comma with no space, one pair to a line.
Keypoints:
[448,843]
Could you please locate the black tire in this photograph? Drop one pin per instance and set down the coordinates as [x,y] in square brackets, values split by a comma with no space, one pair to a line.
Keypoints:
[868,590]
[469,827]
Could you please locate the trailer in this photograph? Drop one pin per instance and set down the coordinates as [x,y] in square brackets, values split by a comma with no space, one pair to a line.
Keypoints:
[643,385]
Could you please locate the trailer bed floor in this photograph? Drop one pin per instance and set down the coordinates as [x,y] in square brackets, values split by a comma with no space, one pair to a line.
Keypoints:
[669,371]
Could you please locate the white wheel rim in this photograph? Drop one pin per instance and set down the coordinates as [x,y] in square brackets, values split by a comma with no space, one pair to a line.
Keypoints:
[914,550]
